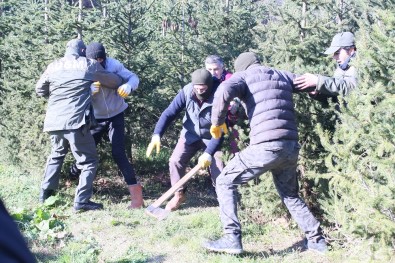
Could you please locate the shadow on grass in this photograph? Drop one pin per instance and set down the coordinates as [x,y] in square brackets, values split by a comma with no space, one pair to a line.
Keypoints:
[155,259]
[297,246]
[42,256]
[260,255]
[202,198]
[112,186]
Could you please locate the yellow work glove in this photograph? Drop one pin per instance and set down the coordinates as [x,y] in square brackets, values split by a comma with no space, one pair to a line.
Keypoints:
[155,143]
[216,131]
[205,160]
[95,87]
[124,90]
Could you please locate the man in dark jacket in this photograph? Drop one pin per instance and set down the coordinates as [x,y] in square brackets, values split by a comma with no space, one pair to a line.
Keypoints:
[273,147]
[197,100]
[108,107]
[67,84]
[13,247]
[344,79]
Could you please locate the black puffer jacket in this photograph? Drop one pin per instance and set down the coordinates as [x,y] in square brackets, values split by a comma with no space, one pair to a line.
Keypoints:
[267,95]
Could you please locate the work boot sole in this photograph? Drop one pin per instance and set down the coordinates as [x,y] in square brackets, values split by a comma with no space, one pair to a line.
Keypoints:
[85,210]
[226,250]
[321,250]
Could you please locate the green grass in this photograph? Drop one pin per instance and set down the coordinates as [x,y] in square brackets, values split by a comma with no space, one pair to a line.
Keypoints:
[117,234]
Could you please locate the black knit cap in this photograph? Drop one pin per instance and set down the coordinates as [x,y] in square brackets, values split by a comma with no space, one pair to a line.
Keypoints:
[95,50]
[203,77]
[245,60]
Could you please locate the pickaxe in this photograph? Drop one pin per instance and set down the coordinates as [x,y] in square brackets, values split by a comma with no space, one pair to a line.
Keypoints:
[160,213]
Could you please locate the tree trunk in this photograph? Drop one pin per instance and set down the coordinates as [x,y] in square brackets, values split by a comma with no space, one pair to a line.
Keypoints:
[339,17]
[79,28]
[303,22]
[46,21]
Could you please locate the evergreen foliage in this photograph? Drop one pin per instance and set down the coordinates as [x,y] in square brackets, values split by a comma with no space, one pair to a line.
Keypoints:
[347,156]
[361,150]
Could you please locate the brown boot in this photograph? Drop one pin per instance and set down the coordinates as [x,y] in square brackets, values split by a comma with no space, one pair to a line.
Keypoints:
[136,194]
[176,201]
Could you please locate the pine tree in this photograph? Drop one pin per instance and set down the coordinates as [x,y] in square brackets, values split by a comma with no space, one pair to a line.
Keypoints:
[291,36]
[36,34]
[134,32]
[362,149]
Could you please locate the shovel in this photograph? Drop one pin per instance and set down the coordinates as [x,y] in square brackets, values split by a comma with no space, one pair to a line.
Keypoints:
[160,213]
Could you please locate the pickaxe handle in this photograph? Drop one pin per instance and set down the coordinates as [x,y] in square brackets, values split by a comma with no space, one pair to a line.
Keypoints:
[176,186]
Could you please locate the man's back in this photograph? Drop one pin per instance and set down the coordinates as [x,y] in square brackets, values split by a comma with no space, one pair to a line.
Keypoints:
[267,94]
[67,83]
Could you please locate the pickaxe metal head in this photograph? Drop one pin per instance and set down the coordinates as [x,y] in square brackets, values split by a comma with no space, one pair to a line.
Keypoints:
[157,212]
[160,213]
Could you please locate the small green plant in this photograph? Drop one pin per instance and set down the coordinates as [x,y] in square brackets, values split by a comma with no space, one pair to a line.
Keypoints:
[43,222]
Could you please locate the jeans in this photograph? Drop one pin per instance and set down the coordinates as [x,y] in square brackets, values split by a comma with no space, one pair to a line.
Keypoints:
[279,157]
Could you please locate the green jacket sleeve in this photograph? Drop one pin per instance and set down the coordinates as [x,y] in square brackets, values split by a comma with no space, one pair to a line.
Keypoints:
[342,83]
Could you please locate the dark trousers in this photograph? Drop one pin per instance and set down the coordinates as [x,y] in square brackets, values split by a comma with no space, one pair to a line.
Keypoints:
[84,151]
[279,157]
[183,153]
[115,128]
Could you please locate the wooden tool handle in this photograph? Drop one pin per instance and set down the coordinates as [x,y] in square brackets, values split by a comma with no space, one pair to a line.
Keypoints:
[175,187]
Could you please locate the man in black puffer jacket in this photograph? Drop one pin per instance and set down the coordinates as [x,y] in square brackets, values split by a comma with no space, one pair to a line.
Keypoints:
[267,95]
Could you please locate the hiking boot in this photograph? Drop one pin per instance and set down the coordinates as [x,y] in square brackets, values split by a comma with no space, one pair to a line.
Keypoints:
[44,194]
[176,201]
[87,206]
[230,244]
[319,246]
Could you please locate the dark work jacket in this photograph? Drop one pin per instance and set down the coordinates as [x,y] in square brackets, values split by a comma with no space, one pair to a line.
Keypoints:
[13,247]
[66,82]
[197,118]
[267,94]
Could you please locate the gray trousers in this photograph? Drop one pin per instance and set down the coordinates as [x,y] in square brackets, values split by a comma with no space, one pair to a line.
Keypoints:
[83,148]
[183,153]
[279,157]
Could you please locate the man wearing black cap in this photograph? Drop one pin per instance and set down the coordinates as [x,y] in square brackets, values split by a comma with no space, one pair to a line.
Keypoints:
[67,84]
[197,100]
[267,94]
[344,79]
[108,107]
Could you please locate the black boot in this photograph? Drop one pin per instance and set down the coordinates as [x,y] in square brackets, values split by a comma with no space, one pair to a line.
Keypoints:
[319,246]
[79,207]
[44,194]
[228,243]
